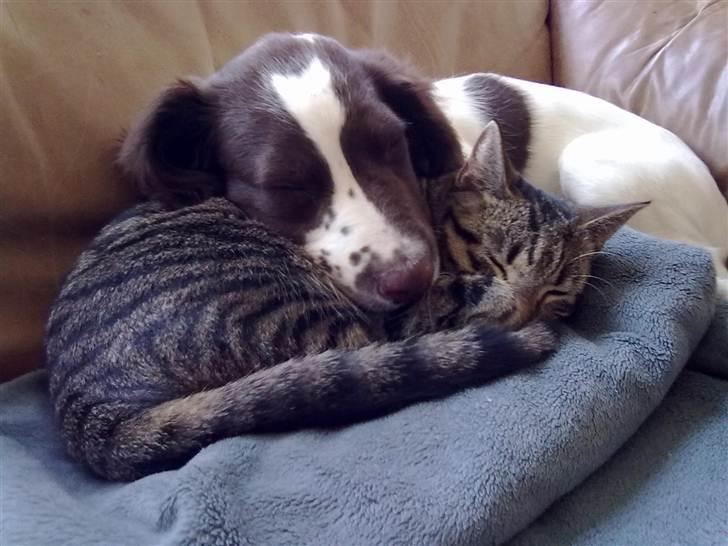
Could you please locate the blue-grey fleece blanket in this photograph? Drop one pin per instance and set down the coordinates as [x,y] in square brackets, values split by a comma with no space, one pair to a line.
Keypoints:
[475,468]
[669,483]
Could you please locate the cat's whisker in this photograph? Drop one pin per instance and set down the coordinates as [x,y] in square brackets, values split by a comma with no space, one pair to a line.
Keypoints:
[599,290]
[596,278]
[593,253]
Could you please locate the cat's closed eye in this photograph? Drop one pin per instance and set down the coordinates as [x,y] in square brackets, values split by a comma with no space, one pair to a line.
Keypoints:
[497,266]
[554,293]
[556,303]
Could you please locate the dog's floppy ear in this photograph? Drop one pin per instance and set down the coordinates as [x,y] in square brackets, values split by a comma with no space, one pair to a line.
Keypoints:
[433,146]
[171,153]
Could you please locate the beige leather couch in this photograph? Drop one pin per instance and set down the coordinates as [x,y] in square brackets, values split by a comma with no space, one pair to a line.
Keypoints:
[74,73]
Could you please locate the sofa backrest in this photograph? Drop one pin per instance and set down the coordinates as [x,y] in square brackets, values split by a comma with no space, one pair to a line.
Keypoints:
[666,61]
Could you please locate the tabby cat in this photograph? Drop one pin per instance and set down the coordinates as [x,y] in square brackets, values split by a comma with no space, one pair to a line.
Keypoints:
[180,327]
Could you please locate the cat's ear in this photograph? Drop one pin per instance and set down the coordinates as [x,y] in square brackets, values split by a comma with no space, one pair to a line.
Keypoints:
[488,167]
[603,222]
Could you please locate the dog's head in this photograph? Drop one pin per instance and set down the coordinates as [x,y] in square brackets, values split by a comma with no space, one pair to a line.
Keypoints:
[322,144]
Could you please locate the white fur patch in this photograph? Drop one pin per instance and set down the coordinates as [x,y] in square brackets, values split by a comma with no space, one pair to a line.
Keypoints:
[307,36]
[461,111]
[596,153]
[354,221]
[558,116]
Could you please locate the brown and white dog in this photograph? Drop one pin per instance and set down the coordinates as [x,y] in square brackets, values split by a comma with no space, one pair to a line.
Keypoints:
[325,145]
[321,143]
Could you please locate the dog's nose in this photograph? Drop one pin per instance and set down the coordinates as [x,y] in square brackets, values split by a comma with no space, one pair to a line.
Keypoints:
[406,284]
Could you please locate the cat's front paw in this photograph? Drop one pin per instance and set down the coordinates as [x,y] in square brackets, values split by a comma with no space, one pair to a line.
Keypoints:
[538,338]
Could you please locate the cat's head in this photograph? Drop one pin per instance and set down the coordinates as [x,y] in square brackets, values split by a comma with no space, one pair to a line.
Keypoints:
[538,247]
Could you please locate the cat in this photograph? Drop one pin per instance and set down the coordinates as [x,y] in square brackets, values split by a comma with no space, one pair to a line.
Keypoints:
[180,327]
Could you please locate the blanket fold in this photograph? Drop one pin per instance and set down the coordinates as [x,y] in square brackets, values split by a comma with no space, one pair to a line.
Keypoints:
[474,468]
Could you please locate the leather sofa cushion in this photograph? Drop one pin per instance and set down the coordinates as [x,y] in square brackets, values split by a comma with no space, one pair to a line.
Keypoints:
[663,60]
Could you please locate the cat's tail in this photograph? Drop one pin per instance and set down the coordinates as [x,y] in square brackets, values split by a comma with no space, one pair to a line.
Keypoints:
[333,388]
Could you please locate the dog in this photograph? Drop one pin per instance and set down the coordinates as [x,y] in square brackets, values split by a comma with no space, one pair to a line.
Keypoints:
[323,144]
[595,153]
[327,145]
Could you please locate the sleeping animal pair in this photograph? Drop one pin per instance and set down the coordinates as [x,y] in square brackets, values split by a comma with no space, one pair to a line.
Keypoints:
[291,270]
[181,326]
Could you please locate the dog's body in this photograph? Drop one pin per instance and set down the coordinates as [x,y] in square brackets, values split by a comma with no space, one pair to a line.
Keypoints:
[325,145]
[595,153]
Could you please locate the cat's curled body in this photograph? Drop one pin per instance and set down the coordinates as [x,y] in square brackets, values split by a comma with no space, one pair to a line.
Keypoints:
[180,327]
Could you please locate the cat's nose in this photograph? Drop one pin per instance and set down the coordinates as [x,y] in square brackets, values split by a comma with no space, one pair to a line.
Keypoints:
[406,283]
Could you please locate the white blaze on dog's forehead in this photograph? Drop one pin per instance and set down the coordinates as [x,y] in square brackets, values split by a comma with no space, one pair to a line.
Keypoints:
[353,221]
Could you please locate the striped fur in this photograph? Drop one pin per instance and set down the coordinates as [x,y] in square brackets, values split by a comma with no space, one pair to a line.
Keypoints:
[537,248]
[180,327]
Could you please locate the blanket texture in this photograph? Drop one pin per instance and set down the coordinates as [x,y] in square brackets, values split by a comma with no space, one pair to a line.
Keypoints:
[474,468]
[667,485]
